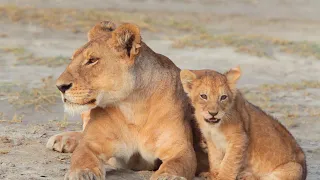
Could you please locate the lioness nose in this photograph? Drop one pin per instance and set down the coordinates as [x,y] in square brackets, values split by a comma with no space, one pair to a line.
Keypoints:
[64,87]
[213,114]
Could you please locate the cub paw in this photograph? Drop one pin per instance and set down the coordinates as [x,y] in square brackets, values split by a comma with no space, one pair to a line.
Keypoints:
[167,176]
[209,175]
[246,176]
[84,174]
[64,142]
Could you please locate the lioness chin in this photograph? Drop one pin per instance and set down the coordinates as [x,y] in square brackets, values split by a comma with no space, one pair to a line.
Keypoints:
[243,141]
[134,108]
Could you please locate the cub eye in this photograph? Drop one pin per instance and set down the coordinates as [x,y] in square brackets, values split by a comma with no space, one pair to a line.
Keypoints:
[204,96]
[223,97]
[92,60]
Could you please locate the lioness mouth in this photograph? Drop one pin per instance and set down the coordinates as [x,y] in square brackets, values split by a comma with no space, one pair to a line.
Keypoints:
[89,102]
[212,120]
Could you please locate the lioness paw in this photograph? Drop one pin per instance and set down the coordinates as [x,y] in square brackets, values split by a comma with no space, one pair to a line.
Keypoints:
[167,176]
[85,174]
[64,142]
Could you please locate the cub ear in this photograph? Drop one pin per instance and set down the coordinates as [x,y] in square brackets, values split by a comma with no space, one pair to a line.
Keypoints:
[187,77]
[233,75]
[100,29]
[126,40]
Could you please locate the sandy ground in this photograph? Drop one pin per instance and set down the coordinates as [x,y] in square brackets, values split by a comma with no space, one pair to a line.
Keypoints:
[286,85]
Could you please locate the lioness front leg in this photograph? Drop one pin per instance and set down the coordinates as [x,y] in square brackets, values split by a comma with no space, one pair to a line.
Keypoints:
[178,162]
[67,142]
[88,159]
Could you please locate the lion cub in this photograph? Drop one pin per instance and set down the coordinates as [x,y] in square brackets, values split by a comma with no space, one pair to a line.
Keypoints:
[243,141]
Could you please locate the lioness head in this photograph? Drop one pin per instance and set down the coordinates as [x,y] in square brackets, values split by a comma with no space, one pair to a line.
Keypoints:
[211,93]
[100,72]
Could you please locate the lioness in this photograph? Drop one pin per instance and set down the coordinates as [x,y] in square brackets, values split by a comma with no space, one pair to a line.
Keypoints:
[243,141]
[136,106]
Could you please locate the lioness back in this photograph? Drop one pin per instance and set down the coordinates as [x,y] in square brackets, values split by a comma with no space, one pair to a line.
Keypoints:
[243,141]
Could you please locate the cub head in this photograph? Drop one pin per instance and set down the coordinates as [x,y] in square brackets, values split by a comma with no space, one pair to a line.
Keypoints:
[211,93]
[100,72]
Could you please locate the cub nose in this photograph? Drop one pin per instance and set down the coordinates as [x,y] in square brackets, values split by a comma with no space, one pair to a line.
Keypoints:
[212,113]
[64,87]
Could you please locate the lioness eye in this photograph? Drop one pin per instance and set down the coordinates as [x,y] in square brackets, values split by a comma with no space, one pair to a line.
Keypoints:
[223,97]
[92,60]
[204,96]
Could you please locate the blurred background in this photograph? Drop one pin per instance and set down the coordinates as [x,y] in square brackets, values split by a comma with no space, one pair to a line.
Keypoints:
[276,43]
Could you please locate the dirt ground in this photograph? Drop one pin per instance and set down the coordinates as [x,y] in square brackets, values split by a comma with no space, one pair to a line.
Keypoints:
[276,43]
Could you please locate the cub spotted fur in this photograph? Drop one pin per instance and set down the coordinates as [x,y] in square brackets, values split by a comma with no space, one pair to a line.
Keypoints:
[243,141]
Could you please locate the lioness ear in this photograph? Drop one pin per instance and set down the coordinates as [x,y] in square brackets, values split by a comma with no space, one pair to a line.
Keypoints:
[233,75]
[126,40]
[100,29]
[187,77]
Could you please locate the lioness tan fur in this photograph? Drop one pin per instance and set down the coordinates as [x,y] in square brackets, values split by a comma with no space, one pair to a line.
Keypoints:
[134,108]
[243,141]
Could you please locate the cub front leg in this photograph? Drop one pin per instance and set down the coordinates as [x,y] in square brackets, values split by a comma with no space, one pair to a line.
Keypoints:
[178,162]
[234,158]
[215,159]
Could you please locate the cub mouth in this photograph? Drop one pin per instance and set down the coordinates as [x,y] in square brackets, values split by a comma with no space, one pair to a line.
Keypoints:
[212,120]
[86,103]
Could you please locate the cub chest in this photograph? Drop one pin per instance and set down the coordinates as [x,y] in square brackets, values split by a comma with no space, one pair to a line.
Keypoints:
[214,134]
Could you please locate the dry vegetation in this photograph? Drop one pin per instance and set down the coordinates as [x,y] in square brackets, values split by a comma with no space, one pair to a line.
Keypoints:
[15,119]
[61,123]
[81,20]
[27,58]
[6,145]
[267,97]
[21,96]
[291,86]
[196,34]
[258,45]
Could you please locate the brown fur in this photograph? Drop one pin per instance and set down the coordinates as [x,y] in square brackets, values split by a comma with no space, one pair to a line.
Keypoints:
[243,141]
[134,106]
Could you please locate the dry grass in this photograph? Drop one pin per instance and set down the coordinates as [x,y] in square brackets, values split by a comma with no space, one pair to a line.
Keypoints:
[289,113]
[4,151]
[82,20]
[257,45]
[282,110]
[5,144]
[17,51]
[63,157]
[15,119]
[21,96]
[291,86]
[61,124]
[26,58]
[64,123]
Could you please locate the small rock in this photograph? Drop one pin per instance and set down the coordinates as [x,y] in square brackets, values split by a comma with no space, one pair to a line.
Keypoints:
[5,139]
[44,135]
